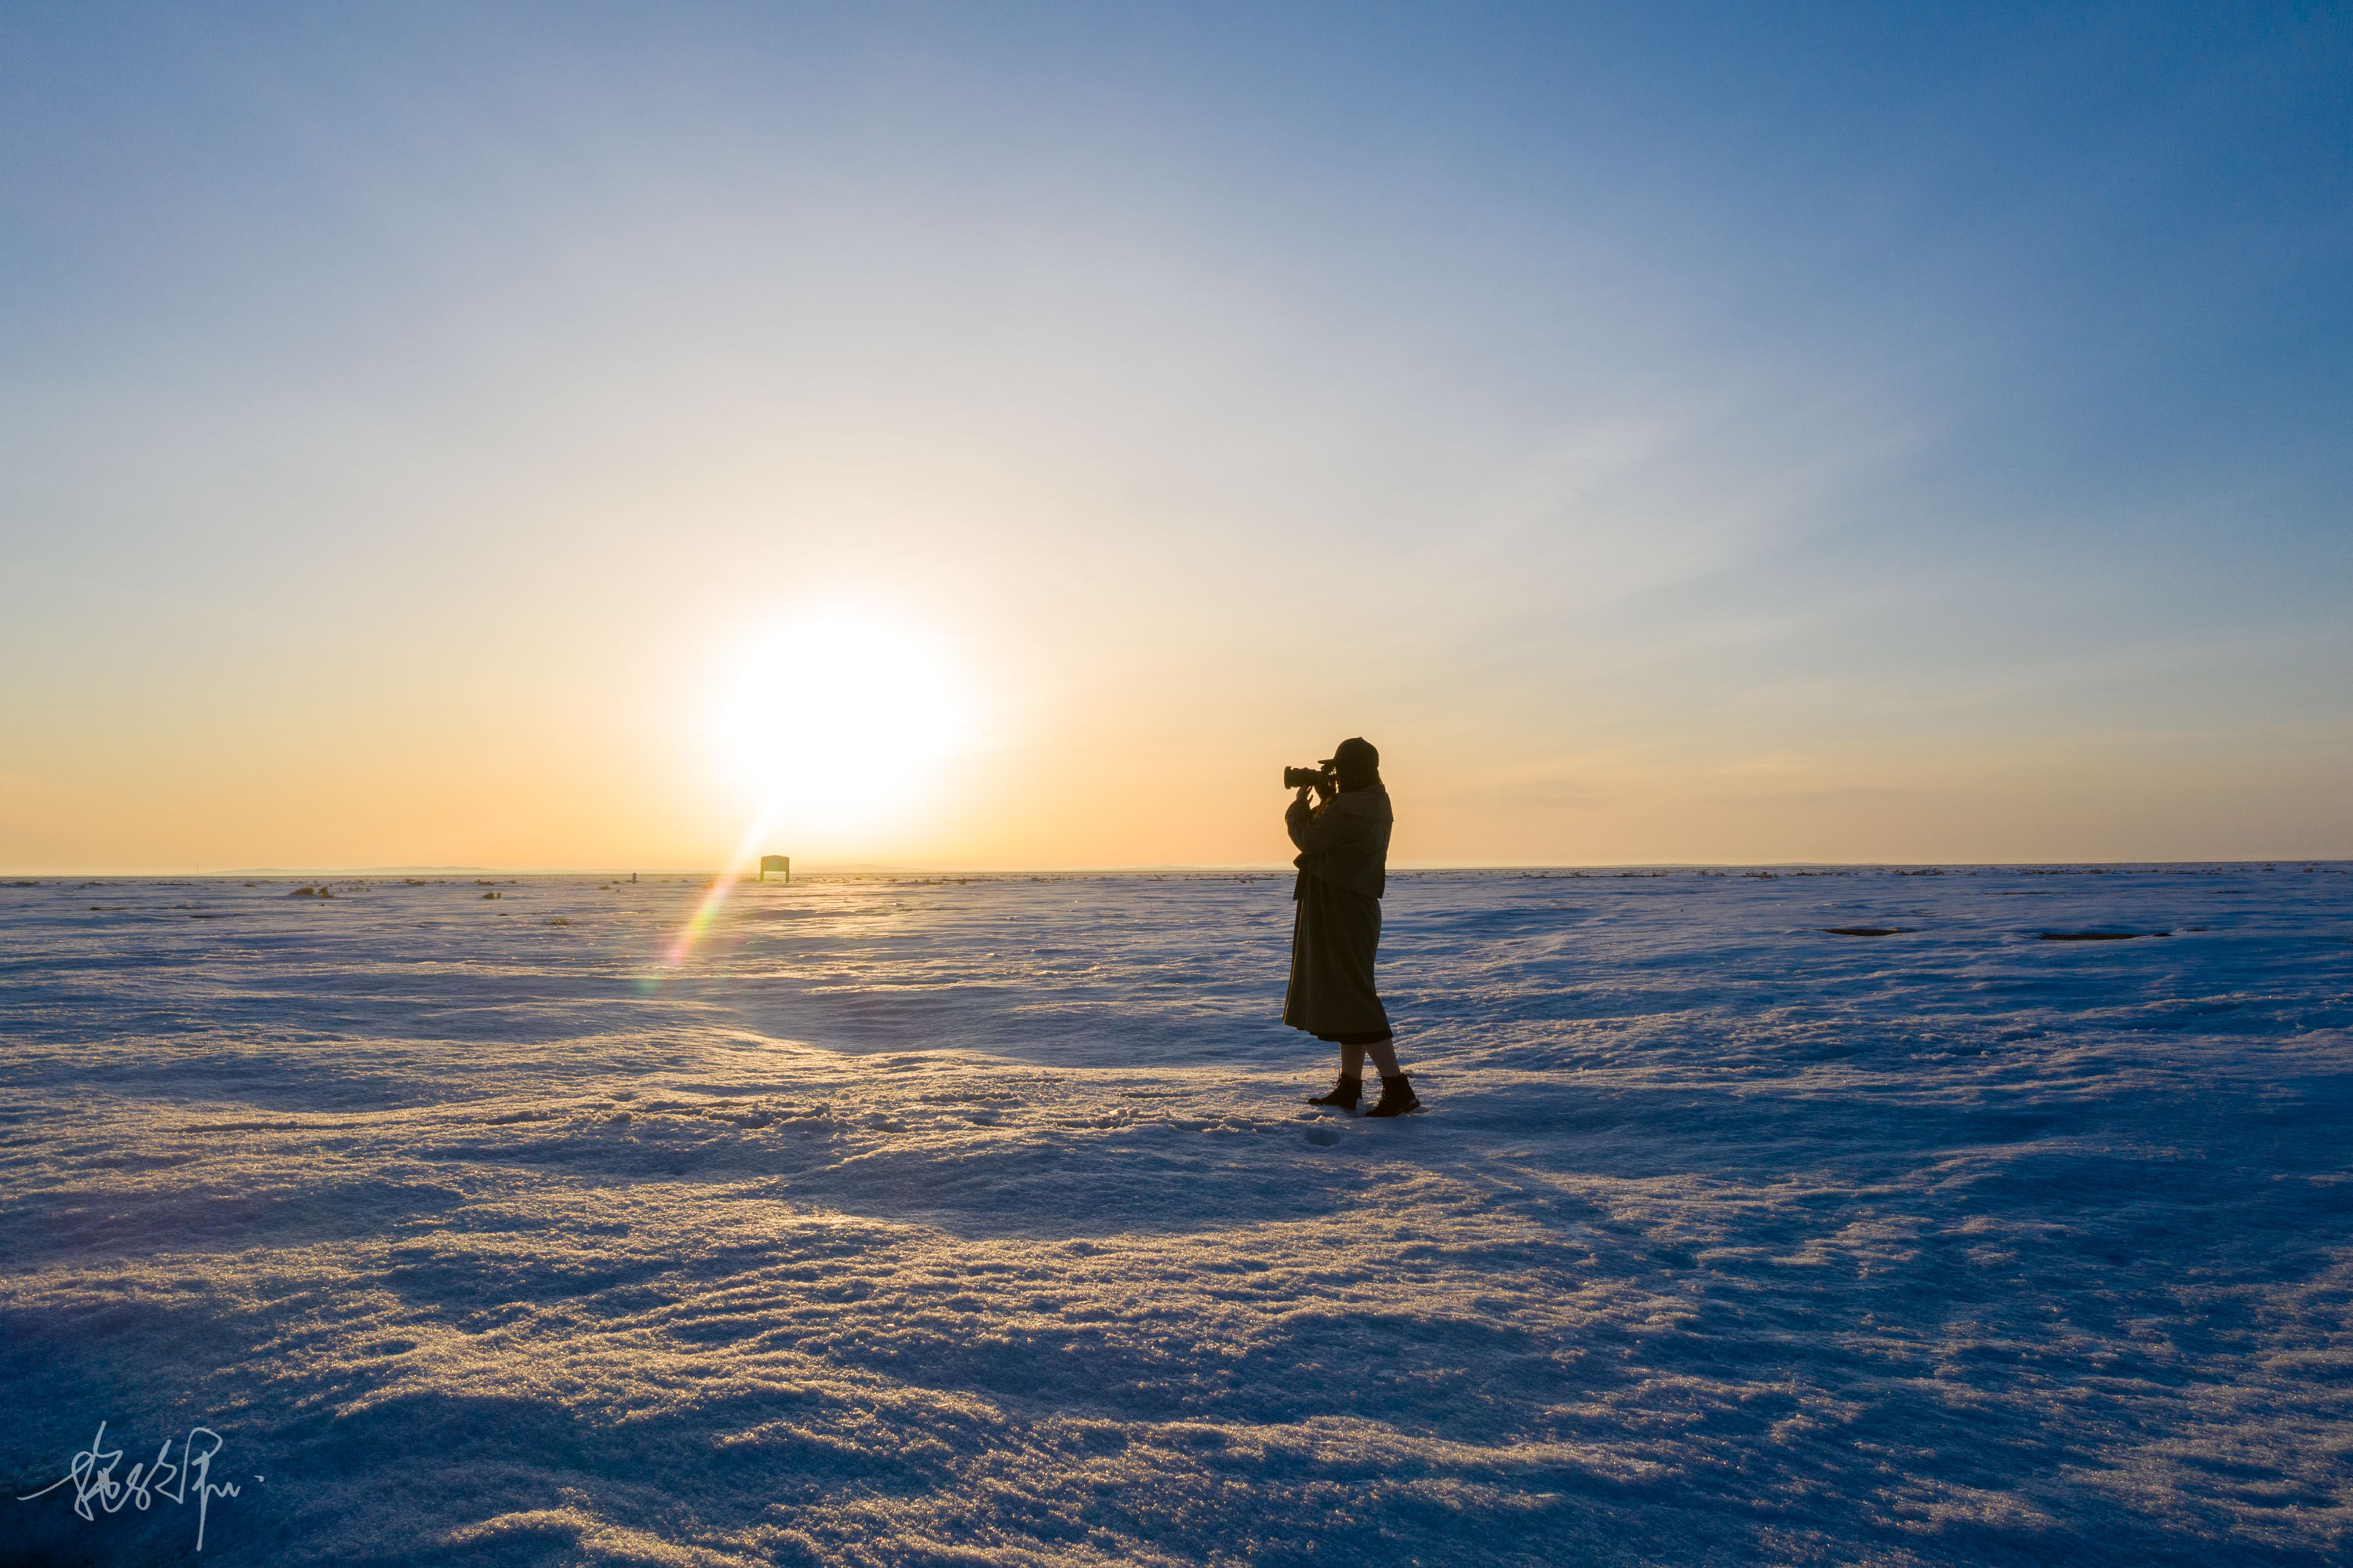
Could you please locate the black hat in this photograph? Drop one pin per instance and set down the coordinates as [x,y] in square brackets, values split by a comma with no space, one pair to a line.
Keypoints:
[1354,753]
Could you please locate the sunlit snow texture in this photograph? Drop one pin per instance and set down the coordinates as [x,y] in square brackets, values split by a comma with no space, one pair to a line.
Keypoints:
[980,1221]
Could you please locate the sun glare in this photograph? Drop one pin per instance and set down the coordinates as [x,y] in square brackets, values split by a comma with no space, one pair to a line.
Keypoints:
[832,721]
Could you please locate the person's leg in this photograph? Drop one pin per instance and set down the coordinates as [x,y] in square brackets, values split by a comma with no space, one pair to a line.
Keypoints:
[1396,1090]
[1383,1056]
[1352,1060]
[1351,1087]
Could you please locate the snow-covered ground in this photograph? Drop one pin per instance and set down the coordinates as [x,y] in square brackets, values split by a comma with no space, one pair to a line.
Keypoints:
[979,1221]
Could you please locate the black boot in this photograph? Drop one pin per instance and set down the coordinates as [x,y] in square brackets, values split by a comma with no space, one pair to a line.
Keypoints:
[1396,1097]
[1344,1094]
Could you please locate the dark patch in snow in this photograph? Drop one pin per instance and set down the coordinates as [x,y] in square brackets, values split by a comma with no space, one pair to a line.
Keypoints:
[2099,936]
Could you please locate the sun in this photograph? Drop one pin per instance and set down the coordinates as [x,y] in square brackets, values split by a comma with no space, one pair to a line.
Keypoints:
[834,720]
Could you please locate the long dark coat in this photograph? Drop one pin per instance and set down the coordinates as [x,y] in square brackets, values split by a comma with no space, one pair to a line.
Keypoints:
[1344,846]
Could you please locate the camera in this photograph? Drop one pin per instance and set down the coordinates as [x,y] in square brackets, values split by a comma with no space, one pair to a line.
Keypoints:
[1301,778]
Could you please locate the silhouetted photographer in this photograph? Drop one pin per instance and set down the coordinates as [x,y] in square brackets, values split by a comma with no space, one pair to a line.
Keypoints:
[1343,851]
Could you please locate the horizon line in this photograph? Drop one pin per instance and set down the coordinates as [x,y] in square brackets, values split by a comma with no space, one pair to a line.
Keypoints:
[870,868]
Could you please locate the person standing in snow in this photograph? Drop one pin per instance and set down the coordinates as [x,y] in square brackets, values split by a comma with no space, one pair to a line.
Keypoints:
[1344,848]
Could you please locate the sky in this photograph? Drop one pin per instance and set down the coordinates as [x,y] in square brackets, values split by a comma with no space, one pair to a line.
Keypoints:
[518,436]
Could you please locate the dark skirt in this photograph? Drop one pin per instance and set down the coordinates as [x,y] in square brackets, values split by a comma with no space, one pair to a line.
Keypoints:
[1332,941]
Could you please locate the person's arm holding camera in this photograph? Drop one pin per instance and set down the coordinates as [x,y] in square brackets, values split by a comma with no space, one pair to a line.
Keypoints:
[1318,830]
[1303,807]
[1307,803]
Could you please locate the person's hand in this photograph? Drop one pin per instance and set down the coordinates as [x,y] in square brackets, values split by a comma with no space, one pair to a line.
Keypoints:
[1304,790]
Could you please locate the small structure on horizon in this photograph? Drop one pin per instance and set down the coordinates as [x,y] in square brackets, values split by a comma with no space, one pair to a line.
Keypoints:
[769,863]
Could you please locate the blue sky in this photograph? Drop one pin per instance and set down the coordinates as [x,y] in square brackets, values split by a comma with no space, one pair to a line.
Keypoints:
[1709,433]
